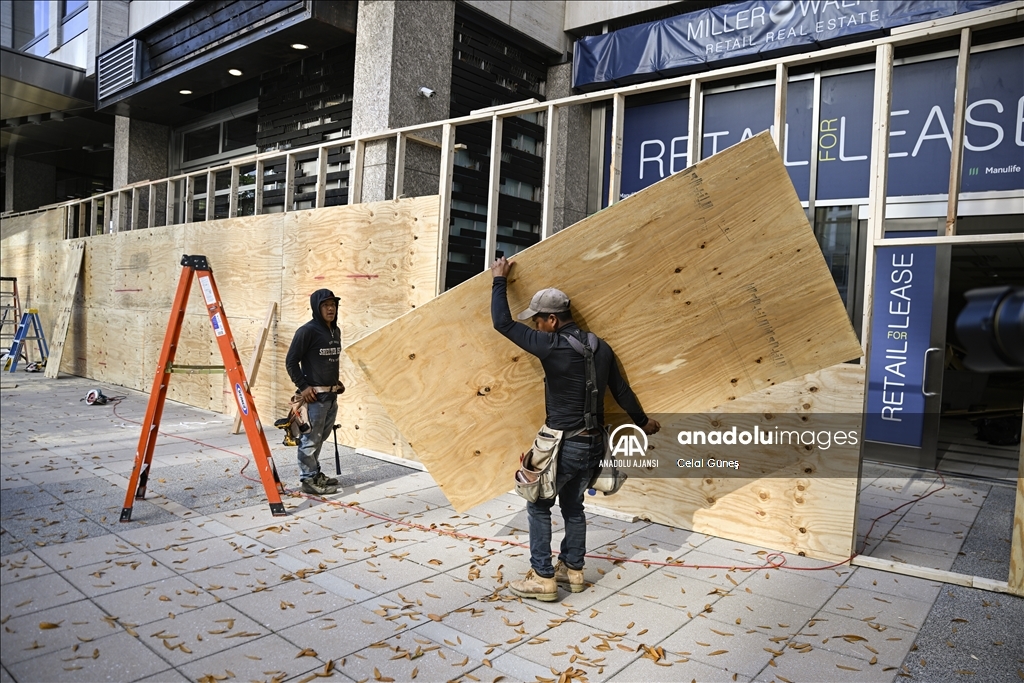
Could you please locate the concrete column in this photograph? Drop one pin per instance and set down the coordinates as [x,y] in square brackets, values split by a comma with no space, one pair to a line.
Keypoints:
[108,26]
[572,152]
[401,47]
[140,153]
[29,184]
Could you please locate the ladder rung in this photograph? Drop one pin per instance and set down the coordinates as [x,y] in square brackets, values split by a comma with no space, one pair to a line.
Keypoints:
[197,369]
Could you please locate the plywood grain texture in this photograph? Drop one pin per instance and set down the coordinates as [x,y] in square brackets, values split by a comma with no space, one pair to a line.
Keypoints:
[76,253]
[802,500]
[379,258]
[708,285]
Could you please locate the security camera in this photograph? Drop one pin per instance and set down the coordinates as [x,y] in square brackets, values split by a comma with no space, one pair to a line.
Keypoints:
[424,91]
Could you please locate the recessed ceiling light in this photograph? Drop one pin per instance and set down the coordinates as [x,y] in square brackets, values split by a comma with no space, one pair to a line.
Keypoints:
[299,46]
[184,92]
[235,72]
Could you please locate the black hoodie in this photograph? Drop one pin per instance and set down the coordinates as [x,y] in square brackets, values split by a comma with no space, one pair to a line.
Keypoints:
[312,359]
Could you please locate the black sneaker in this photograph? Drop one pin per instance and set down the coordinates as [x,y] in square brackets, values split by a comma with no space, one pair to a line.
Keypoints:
[331,481]
[318,486]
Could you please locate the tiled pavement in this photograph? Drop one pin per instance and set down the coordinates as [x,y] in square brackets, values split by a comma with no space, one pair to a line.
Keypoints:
[205,585]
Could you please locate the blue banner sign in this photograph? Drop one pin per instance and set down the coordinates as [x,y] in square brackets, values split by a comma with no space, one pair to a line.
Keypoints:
[655,136]
[901,321]
[743,31]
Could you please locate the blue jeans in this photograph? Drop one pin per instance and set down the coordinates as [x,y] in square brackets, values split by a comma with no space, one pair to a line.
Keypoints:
[322,412]
[576,463]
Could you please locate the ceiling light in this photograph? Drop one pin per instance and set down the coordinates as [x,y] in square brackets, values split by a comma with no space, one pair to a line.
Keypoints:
[235,72]
[184,92]
[299,46]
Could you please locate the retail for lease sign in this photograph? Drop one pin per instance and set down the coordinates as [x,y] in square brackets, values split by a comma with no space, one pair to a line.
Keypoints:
[901,324]
[920,143]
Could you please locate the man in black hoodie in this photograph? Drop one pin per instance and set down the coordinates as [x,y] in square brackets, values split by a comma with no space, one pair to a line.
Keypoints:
[312,364]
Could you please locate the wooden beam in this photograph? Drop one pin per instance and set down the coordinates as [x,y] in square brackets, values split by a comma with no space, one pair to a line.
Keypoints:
[694,124]
[355,174]
[930,573]
[956,161]
[254,360]
[493,191]
[135,209]
[189,197]
[399,186]
[615,168]
[550,141]
[445,198]
[993,238]
[233,189]
[257,208]
[211,194]
[781,90]
[170,216]
[879,176]
[76,254]
[151,206]
[321,177]
[290,161]
[1016,578]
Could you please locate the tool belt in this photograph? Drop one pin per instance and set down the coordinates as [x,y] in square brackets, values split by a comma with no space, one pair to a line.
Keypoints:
[336,389]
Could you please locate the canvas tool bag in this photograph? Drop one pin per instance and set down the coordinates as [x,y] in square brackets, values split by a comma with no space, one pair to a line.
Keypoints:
[538,467]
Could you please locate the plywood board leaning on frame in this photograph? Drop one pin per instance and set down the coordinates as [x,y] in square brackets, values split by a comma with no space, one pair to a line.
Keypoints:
[709,285]
[76,253]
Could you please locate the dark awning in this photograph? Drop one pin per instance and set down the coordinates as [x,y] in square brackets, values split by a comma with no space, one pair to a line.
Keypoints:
[31,86]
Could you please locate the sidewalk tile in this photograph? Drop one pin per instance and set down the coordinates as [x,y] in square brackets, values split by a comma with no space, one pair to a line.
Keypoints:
[890,610]
[52,630]
[196,634]
[288,603]
[21,565]
[37,594]
[157,600]
[118,657]
[254,659]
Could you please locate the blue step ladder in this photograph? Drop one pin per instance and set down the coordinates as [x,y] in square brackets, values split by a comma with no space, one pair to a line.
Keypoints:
[29,319]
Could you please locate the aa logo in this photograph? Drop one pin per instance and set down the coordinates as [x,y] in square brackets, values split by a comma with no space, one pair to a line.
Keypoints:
[628,441]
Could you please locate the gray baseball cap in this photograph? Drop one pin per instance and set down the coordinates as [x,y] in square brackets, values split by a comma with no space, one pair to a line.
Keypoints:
[548,300]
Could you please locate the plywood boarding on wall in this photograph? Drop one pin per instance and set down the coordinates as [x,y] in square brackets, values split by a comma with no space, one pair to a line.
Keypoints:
[709,286]
[379,258]
[1016,578]
[76,252]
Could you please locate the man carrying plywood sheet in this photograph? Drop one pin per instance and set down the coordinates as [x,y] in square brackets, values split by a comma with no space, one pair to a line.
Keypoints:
[578,368]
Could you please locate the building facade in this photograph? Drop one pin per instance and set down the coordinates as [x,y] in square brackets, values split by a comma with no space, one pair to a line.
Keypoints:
[896,121]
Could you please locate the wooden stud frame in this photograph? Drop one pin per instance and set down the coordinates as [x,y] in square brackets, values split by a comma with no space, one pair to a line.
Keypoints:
[959,109]
[615,169]
[493,191]
[781,90]
[399,185]
[548,206]
[445,192]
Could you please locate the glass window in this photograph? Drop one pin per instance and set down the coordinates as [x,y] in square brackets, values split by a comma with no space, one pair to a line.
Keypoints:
[75,19]
[201,143]
[240,133]
[72,6]
[31,22]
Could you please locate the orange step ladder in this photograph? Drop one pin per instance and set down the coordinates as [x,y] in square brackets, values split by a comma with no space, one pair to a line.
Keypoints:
[199,266]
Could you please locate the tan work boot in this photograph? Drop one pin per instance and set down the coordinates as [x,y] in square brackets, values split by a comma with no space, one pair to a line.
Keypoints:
[573,577]
[534,586]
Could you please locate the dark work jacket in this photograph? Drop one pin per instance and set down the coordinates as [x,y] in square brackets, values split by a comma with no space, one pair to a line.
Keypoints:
[312,359]
[565,369]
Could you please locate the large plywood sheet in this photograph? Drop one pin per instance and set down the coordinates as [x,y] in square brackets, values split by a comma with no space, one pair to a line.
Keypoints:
[709,286]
